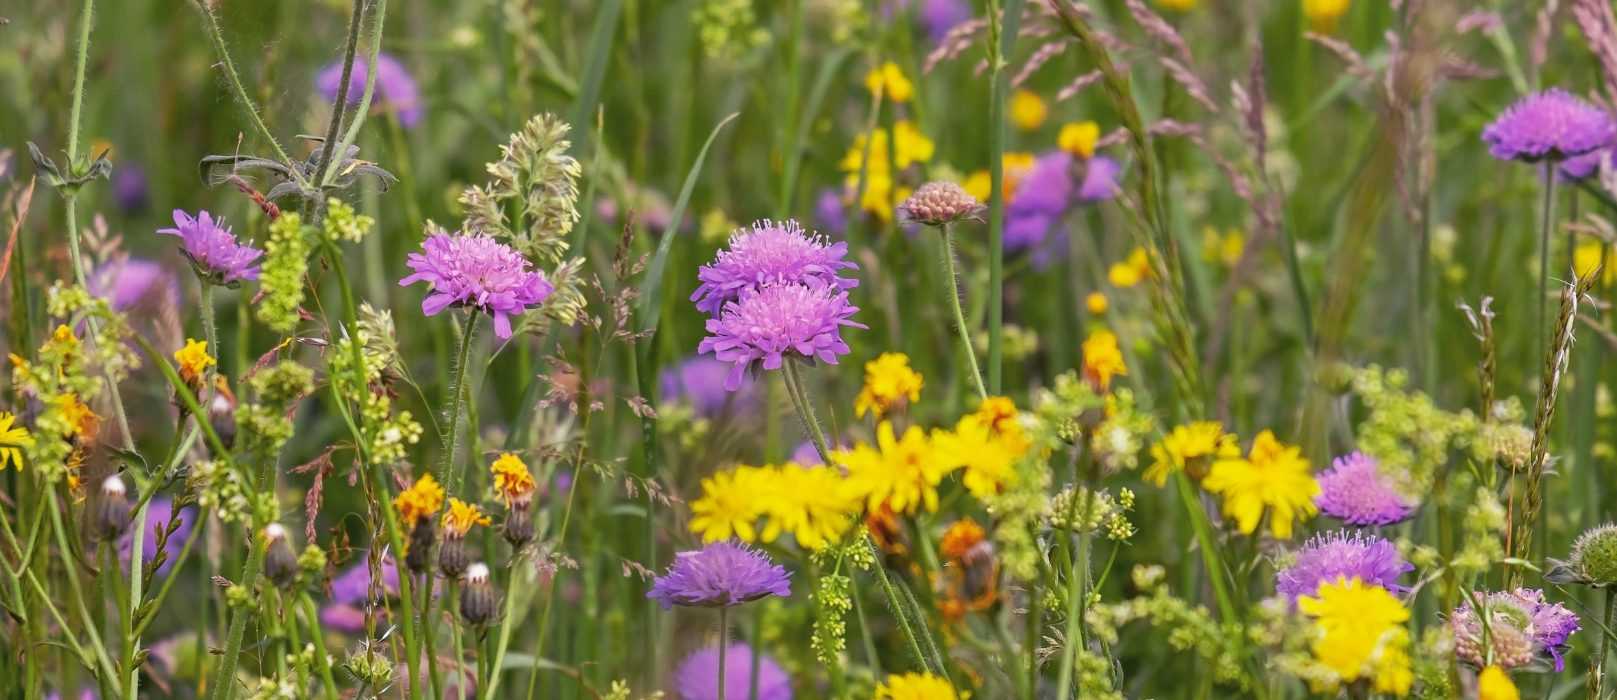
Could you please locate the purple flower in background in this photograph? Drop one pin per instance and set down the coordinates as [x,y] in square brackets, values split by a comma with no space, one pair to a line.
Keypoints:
[129,188]
[1100,180]
[212,248]
[1338,555]
[395,91]
[720,574]
[1522,628]
[159,513]
[697,677]
[699,381]
[829,211]
[1580,167]
[1044,195]
[770,253]
[84,694]
[769,323]
[1550,124]
[1355,491]
[937,16]
[349,592]
[479,272]
[127,283]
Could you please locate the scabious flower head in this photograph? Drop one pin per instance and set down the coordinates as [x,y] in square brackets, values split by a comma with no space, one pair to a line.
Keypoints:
[1360,633]
[1550,124]
[1355,491]
[1339,555]
[697,677]
[939,203]
[1103,359]
[461,516]
[213,250]
[132,283]
[1027,111]
[888,382]
[1274,478]
[160,513]
[720,574]
[699,381]
[899,473]
[513,483]
[1042,197]
[770,253]
[1593,560]
[1494,684]
[479,272]
[1191,447]
[830,212]
[916,686]
[422,500]
[1522,628]
[13,438]
[1100,180]
[395,91]
[193,360]
[766,325]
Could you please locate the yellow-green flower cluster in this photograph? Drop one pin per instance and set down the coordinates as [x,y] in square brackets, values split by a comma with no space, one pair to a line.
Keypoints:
[1404,429]
[342,223]
[1081,509]
[264,423]
[727,29]
[1187,627]
[387,434]
[222,491]
[286,264]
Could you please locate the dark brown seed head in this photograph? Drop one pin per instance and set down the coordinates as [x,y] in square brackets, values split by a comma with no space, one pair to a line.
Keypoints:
[478,601]
[280,562]
[419,556]
[111,510]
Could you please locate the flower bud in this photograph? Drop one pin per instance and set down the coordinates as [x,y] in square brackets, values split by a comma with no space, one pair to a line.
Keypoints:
[518,528]
[419,555]
[1593,561]
[453,556]
[478,601]
[280,563]
[940,203]
[111,511]
[222,411]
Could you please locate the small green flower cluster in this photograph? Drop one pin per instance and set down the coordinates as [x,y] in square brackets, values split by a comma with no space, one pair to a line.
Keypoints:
[1092,511]
[286,264]
[387,433]
[728,29]
[223,492]
[290,683]
[265,423]
[344,224]
[1404,429]
[1187,627]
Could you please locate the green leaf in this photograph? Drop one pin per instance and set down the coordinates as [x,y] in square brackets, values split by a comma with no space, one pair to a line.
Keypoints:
[651,286]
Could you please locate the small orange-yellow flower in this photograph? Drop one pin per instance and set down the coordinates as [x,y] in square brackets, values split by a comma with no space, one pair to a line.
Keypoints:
[1027,110]
[422,500]
[1103,359]
[889,82]
[461,516]
[193,360]
[1274,477]
[1079,138]
[513,483]
[12,439]
[888,381]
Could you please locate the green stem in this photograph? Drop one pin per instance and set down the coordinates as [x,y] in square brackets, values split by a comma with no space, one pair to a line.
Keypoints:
[1597,670]
[953,280]
[805,410]
[894,603]
[217,35]
[224,681]
[433,674]
[107,671]
[447,473]
[1546,222]
[1209,547]
[340,105]
[1002,31]
[724,641]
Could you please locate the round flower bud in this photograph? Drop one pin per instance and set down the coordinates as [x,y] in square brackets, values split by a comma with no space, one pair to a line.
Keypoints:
[1594,556]
[112,510]
[280,563]
[939,203]
[419,554]
[478,601]
[518,528]
[453,556]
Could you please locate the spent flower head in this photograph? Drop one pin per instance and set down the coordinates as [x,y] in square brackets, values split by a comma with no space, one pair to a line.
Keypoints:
[1522,629]
[940,203]
[1593,561]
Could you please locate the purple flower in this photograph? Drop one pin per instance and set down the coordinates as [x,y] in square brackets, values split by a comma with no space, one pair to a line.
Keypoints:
[395,90]
[768,323]
[1043,196]
[720,574]
[829,211]
[699,381]
[1580,167]
[212,248]
[1100,180]
[770,253]
[129,188]
[697,677]
[479,272]
[159,513]
[1338,555]
[129,282]
[1355,491]
[937,16]
[1522,628]
[350,590]
[1550,124]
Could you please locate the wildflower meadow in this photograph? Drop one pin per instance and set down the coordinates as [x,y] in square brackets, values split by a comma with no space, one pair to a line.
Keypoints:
[841,349]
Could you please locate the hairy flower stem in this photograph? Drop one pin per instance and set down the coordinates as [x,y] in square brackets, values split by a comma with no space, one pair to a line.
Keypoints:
[1597,668]
[435,677]
[805,410]
[724,641]
[217,35]
[1211,559]
[1077,579]
[1546,222]
[340,105]
[952,279]
[1003,28]
[896,606]
[447,473]
[107,670]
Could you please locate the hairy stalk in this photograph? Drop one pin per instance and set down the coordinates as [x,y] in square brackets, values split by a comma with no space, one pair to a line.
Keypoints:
[724,641]
[217,35]
[896,606]
[434,676]
[340,105]
[953,280]
[1597,669]
[805,410]
[1545,223]
[1002,30]
[107,671]
[363,109]
[447,473]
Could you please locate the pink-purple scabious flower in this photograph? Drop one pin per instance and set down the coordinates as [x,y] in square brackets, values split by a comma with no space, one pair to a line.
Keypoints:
[1552,124]
[479,272]
[213,249]
[767,324]
[770,253]
[720,574]
[396,90]
[697,677]
[1355,491]
[1342,555]
[1523,628]
[699,381]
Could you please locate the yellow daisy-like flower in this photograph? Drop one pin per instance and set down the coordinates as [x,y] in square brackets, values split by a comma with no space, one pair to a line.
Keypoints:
[730,505]
[422,500]
[1323,14]
[1027,110]
[82,422]
[1588,257]
[461,516]
[1178,5]
[1494,684]
[917,686]
[1194,445]
[12,439]
[1103,359]
[1079,138]
[903,472]
[1096,303]
[810,503]
[888,380]
[1274,477]
[988,460]
[1132,270]
[513,483]
[193,360]
[1360,633]
[1223,248]
[888,81]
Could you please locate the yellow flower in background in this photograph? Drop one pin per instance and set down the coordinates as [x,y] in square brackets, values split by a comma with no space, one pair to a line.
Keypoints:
[1273,477]
[1079,138]
[1003,420]
[1103,359]
[513,483]
[810,503]
[1178,5]
[888,380]
[989,459]
[81,421]
[461,516]
[1015,165]
[1191,445]
[1223,248]
[1360,633]
[422,500]
[917,686]
[908,147]
[1323,14]
[888,81]
[1588,257]
[12,439]
[62,340]
[1494,684]
[1027,110]
[1134,269]
[193,360]
[1096,303]
[902,473]
[729,507]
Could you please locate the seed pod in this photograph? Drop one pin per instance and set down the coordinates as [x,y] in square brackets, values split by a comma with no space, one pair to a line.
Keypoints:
[518,528]
[453,556]
[111,511]
[280,563]
[222,412]
[419,555]
[478,601]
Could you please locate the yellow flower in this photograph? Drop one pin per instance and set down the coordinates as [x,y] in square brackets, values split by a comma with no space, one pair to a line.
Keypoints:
[1225,248]
[902,473]
[1194,445]
[1079,138]
[729,506]
[917,686]
[888,81]
[12,439]
[1027,110]
[888,380]
[1015,166]
[462,516]
[81,421]
[194,360]
[1323,14]
[989,460]
[1360,633]
[1589,255]
[1273,477]
[1131,271]
[1494,684]
[421,500]
[1178,5]
[513,484]
[1096,303]
[810,503]
[64,338]
[1103,359]
[909,146]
